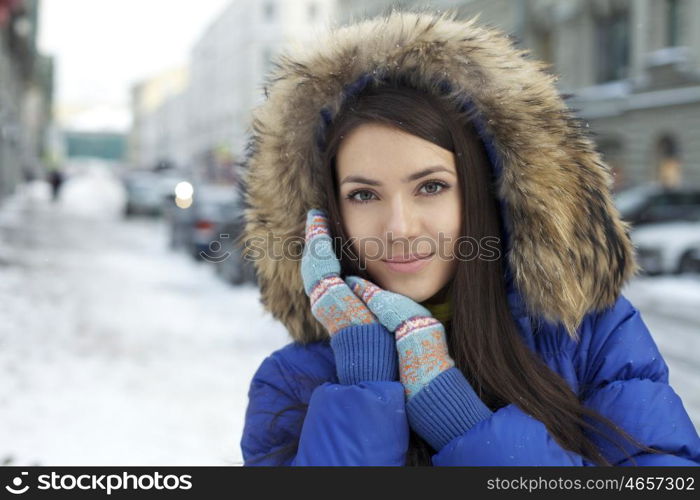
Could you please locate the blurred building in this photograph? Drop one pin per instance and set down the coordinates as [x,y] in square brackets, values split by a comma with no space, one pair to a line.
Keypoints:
[633,67]
[204,125]
[89,130]
[159,129]
[638,82]
[26,82]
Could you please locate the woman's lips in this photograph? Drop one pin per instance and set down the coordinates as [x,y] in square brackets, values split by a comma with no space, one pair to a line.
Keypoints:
[410,266]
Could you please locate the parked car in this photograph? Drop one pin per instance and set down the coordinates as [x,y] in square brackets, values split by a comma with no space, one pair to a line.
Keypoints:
[179,221]
[691,264]
[208,228]
[146,191]
[233,267]
[194,226]
[653,203]
[668,247]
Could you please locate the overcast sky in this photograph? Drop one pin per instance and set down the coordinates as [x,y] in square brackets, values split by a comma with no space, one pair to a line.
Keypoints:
[101,47]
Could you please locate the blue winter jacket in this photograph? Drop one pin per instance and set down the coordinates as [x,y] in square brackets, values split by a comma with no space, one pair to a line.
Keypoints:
[615,369]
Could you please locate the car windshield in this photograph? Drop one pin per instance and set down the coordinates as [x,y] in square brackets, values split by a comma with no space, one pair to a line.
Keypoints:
[631,199]
[215,201]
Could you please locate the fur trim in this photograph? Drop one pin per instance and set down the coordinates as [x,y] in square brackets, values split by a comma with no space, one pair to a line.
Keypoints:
[569,251]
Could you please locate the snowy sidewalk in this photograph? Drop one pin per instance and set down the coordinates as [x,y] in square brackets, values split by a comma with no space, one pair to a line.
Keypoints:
[113,349]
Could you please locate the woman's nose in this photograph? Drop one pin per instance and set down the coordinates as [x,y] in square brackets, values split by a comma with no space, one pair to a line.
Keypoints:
[402,222]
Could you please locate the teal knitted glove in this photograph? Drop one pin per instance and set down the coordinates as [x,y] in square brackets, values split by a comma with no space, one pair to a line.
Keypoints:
[364,350]
[420,338]
[440,402]
[332,301]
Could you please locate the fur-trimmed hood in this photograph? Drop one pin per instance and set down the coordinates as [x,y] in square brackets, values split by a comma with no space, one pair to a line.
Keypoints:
[568,251]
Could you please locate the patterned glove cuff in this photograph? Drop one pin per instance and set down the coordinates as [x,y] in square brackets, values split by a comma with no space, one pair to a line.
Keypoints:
[365,353]
[445,408]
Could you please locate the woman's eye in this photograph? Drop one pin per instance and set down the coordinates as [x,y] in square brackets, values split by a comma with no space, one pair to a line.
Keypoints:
[430,188]
[353,196]
[435,185]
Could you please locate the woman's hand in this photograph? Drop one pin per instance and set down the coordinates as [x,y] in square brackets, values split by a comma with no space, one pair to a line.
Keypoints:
[363,348]
[420,338]
[449,407]
[332,301]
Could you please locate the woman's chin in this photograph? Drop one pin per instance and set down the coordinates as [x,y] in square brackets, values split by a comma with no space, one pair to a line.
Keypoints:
[415,293]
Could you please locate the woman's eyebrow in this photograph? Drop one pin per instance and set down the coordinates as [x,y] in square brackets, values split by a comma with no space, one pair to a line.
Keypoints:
[414,176]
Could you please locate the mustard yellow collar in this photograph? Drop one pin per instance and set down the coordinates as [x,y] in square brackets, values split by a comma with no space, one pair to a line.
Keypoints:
[441,311]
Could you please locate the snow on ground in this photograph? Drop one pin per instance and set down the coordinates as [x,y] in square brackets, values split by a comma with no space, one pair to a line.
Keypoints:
[114,350]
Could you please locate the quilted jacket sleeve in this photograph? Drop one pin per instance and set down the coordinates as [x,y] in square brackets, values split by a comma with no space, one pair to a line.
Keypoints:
[624,378]
[358,424]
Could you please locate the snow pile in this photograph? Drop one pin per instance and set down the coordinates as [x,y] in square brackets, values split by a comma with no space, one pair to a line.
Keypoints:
[113,350]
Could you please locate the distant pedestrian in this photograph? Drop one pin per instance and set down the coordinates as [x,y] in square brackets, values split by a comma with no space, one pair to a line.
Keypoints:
[56,179]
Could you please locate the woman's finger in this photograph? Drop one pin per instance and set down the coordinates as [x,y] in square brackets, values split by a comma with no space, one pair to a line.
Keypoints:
[392,309]
[318,260]
[316,223]
[336,307]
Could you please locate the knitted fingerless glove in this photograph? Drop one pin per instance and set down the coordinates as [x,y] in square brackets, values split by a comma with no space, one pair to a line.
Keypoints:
[363,348]
[440,403]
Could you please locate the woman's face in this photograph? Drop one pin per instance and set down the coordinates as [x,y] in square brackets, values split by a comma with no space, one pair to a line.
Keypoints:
[392,208]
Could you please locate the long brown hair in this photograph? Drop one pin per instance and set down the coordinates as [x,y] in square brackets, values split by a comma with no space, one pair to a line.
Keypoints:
[483,338]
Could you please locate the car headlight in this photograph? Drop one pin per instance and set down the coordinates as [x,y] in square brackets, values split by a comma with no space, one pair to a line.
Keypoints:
[183,194]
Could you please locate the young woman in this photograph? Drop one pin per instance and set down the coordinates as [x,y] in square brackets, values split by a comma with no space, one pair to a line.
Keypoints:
[503,337]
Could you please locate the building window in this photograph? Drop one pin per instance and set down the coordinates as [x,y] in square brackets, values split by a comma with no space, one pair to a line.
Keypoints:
[269,11]
[612,46]
[312,11]
[673,22]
